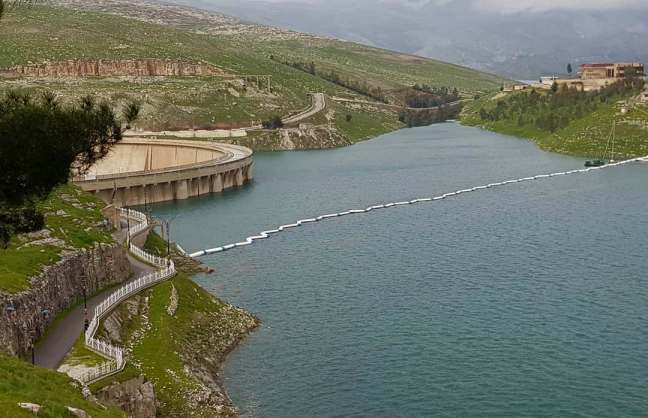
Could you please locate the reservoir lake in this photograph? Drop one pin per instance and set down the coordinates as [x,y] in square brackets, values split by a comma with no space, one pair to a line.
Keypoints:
[529,299]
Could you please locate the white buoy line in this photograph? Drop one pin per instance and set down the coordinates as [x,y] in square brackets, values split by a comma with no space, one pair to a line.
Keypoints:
[282,228]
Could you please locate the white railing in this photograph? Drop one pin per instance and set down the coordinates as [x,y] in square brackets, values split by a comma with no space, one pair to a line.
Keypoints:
[115,355]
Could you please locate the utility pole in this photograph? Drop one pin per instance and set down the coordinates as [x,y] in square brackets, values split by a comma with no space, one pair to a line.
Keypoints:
[168,234]
[127,229]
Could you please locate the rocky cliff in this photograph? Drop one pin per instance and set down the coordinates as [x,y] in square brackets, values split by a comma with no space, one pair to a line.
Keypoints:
[290,139]
[56,289]
[135,396]
[116,68]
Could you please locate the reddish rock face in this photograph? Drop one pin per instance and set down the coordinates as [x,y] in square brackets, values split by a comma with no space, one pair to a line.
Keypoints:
[118,68]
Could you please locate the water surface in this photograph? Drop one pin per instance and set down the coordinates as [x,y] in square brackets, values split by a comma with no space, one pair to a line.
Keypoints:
[527,300]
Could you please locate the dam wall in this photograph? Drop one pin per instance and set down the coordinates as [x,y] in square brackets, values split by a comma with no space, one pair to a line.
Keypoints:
[140,171]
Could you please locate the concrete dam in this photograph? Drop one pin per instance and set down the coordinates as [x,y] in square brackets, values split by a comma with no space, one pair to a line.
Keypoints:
[139,171]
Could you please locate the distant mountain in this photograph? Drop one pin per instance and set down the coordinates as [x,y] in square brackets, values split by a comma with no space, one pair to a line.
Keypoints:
[522,45]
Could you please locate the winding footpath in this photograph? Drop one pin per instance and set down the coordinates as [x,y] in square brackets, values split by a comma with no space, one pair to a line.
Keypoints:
[60,338]
[317,105]
[267,234]
[164,269]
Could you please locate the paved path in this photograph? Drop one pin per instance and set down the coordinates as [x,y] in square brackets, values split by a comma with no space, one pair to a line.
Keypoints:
[51,350]
[318,104]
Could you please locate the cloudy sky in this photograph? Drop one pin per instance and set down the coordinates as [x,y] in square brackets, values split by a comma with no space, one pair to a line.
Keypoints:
[510,6]
[519,39]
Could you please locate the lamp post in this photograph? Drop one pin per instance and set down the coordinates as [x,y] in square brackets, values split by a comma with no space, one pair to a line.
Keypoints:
[85,310]
[168,234]
[31,346]
[127,229]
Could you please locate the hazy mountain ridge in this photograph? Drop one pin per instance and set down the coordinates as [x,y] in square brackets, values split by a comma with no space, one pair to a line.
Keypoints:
[518,45]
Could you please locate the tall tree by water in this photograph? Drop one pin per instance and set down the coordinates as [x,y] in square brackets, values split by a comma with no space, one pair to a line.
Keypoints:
[569,69]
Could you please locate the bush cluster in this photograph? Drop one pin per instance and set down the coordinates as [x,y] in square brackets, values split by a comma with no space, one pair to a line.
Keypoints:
[555,109]
[358,86]
[41,143]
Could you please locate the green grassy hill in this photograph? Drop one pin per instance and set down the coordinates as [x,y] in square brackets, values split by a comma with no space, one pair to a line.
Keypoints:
[72,221]
[584,131]
[127,31]
[22,382]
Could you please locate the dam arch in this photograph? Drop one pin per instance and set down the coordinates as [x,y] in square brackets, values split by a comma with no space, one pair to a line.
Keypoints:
[139,171]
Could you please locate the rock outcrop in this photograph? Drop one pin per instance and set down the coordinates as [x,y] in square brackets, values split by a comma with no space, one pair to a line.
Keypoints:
[114,68]
[55,289]
[31,407]
[136,397]
[76,412]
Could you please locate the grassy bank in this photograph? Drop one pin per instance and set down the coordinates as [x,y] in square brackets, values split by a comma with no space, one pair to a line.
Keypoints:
[176,332]
[73,220]
[196,336]
[22,382]
[584,132]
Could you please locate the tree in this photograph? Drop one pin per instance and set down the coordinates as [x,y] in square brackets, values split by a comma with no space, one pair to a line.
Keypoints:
[41,142]
[569,69]
[273,123]
[349,117]
[130,113]
[554,87]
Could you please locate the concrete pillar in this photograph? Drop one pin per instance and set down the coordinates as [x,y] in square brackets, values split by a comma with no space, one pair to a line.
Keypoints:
[217,183]
[248,172]
[194,187]
[105,195]
[227,180]
[126,196]
[181,189]
[138,196]
[239,177]
[166,191]
[119,198]
[205,185]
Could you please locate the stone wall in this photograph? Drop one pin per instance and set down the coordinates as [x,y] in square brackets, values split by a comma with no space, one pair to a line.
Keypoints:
[54,290]
[116,68]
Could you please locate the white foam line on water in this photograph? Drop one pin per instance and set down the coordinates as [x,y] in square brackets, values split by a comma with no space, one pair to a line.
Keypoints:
[282,228]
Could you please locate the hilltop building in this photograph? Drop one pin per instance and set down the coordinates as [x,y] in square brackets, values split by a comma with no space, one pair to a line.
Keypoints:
[592,77]
[607,71]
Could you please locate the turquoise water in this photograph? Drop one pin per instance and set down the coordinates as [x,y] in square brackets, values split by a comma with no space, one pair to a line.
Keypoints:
[527,300]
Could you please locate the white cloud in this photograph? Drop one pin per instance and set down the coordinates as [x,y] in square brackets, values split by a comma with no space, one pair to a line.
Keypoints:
[514,6]
[498,6]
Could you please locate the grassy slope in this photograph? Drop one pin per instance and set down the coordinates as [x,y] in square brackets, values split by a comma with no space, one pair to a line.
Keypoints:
[586,136]
[200,321]
[159,354]
[21,382]
[76,226]
[43,33]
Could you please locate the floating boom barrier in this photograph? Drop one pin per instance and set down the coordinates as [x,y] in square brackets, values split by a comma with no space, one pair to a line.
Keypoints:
[282,228]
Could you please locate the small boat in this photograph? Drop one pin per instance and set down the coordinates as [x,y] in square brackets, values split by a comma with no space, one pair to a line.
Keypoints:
[610,144]
[595,163]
